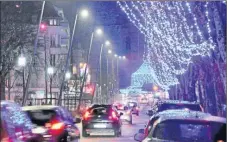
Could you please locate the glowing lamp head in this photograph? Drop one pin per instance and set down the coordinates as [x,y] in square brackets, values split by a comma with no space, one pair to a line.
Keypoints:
[84,13]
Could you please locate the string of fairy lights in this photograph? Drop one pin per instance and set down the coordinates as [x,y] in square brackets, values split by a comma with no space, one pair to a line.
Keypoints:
[173,36]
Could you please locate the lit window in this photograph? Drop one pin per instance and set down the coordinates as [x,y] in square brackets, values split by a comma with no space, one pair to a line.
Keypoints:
[51,22]
[55,22]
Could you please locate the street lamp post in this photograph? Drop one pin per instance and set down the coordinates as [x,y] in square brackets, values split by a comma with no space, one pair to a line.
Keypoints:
[84,13]
[22,63]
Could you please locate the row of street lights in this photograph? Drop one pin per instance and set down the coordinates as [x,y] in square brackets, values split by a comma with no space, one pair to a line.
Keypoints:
[50,70]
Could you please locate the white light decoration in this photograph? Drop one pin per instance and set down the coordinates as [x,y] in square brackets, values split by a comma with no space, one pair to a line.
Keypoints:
[84,13]
[172,36]
[22,61]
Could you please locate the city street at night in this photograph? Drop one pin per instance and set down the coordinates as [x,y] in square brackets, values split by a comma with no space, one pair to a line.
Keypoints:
[113,71]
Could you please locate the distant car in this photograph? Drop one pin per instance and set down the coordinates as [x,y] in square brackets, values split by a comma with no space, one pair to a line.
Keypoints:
[15,125]
[134,107]
[144,101]
[126,114]
[181,126]
[174,104]
[101,119]
[56,122]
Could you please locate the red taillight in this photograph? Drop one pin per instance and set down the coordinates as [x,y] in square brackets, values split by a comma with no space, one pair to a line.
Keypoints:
[86,115]
[113,116]
[57,126]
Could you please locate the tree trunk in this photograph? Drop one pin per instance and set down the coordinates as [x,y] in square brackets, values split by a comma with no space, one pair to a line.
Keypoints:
[2,87]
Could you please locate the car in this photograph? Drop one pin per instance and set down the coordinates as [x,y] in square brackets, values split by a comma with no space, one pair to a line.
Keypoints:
[134,107]
[101,119]
[126,114]
[15,125]
[56,121]
[174,104]
[181,125]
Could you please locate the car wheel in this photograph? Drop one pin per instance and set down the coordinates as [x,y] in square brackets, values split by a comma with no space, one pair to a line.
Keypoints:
[84,133]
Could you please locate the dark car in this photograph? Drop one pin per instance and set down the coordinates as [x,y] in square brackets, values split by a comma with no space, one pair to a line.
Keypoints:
[181,126]
[15,125]
[57,122]
[101,119]
[174,104]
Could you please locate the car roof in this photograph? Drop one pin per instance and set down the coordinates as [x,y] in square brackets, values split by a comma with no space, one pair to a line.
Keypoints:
[42,107]
[188,115]
[177,102]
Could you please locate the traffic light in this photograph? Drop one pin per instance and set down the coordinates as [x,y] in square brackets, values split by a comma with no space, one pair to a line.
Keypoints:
[43,27]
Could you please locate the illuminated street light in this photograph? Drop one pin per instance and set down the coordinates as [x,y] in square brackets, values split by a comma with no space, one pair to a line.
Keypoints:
[99,31]
[67,75]
[22,61]
[107,43]
[109,51]
[124,57]
[50,70]
[120,57]
[155,88]
[115,55]
[84,13]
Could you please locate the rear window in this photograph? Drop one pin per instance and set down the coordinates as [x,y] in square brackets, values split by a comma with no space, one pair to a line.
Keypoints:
[100,111]
[186,131]
[40,117]
[194,107]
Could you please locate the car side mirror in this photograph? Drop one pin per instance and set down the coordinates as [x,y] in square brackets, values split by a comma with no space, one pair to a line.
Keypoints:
[77,120]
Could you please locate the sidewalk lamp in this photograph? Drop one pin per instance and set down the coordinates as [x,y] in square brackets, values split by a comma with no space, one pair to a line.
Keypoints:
[124,57]
[99,31]
[50,70]
[115,55]
[109,51]
[120,57]
[107,43]
[68,75]
[84,13]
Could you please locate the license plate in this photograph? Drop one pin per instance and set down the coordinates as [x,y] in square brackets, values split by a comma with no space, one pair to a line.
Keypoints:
[100,126]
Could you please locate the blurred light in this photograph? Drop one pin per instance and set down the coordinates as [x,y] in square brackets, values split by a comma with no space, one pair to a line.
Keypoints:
[109,51]
[107,43]
[50,70]
[155,88]
[99,31]
[67,75]
[17,5]
[124,57]
[43,26]
[120,57]
[84,13]
[115,55]
[22,61]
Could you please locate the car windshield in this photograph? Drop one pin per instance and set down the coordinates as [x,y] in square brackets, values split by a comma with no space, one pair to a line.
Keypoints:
[40,117]
[193,107]
[186,131]
[132,104]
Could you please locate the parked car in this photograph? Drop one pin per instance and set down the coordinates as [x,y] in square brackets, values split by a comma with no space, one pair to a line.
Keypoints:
[181,126]
[15,125]
[134,107]
[56,121]
[101,119]
[174,104]
[126,114]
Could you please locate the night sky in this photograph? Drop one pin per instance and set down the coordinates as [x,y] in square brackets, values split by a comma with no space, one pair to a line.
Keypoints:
[125,38]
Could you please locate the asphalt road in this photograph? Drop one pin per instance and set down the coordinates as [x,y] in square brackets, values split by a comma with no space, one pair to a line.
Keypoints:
[128,130]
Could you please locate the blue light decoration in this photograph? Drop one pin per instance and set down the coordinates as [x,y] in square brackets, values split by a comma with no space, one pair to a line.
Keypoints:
[173,37]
